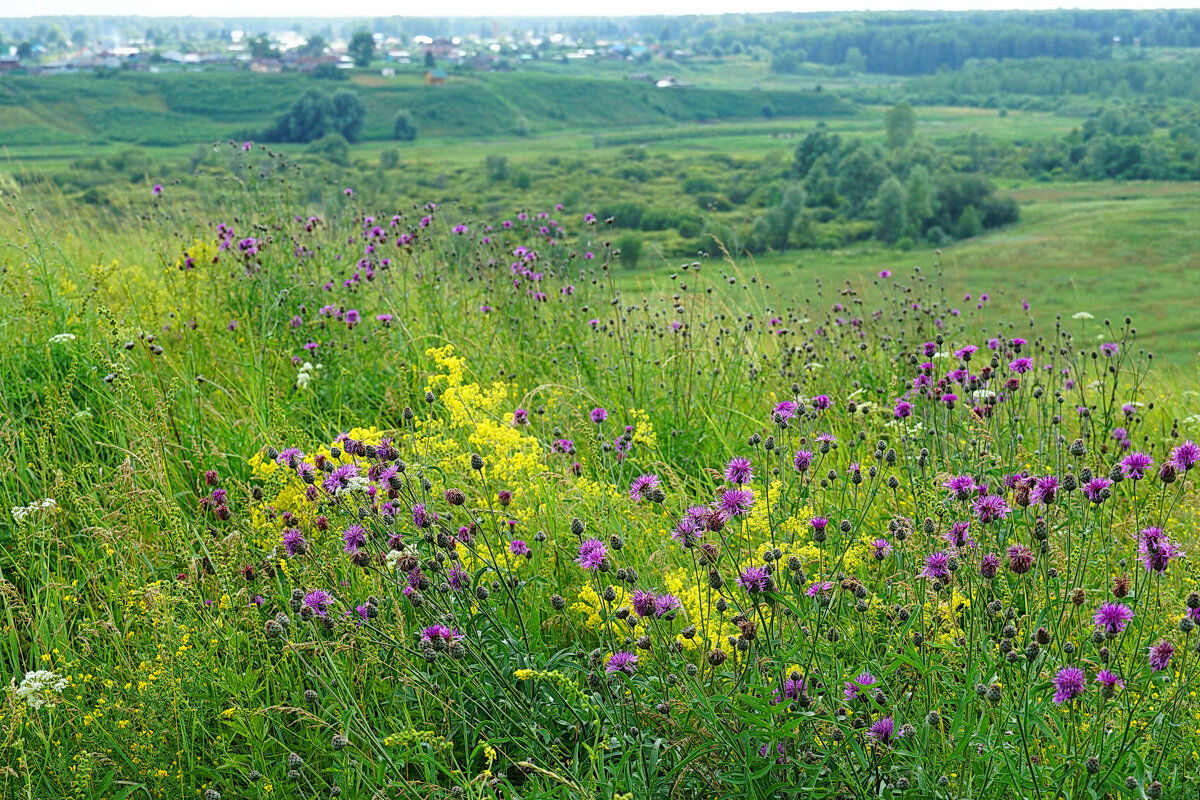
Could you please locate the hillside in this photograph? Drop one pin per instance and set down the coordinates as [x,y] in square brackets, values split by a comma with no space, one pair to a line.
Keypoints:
[185,108]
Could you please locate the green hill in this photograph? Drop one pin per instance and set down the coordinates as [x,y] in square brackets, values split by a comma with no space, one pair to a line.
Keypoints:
[189,107]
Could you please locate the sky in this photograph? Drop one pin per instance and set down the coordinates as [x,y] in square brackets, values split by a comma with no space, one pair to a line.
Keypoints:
[501,8]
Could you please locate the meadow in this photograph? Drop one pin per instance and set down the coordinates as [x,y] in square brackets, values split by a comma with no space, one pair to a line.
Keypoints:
[349,497]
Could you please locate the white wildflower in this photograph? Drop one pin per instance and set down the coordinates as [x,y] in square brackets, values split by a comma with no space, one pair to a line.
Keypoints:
[1081,315]
[20,512]
[59,338]
[39,687]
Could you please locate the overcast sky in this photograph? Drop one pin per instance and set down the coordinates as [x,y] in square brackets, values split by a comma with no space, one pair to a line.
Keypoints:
[500,8]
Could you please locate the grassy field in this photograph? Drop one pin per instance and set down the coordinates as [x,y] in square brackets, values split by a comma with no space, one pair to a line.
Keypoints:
[1109,250]
[340,504]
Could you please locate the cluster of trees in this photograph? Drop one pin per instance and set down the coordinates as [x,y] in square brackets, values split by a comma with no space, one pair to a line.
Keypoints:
[316,114]
[992,82]
[902,194]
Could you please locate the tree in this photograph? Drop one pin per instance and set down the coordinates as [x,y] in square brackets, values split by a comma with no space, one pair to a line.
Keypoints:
[403,126]
[430,61]
[314,46]
[859,175]
[918,202]
[901,123]
[315,114]
[361,48]
[855,61]
[349,113]
[969,224]
[79,38]
[261,47]
[890,219]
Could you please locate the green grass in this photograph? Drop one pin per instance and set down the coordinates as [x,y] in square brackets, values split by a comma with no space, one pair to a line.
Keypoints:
[1110,250]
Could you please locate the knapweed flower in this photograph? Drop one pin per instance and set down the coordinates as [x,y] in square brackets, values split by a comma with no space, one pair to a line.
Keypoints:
[157,190]
[819,589]
[961,486]
[1134,465]
[317,601]
[1069,683]
[739,471]
[958,536]
[440,635]
[599,415]
[881,549]
[354,537]
[989,565]
[518,547]
[592,553]
[859,686]
[642,603]
[736,502]
[784,410]
[1156,549]
[881,731]
[937,566]
[294,542]
[344,479]
[821,402]
[990,507]
[665,603]
[420,516]
[520,417]
[902,410]
[1109,680]
[1112,618]
[621,661]
[642,486]
[1020,559]
[1021,365]
[802,460]
[687,532]
[1186,456]
[1161,654]
[755,580]
[1096,489]
[1044,490]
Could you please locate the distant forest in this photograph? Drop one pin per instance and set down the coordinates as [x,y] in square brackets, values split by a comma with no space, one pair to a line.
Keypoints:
[911,43]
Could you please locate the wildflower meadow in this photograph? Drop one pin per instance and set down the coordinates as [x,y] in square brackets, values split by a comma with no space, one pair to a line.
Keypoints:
[317,499]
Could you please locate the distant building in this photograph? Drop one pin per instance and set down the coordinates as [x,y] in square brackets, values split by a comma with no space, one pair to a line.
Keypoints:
[442,48]
[399,56]
[388,72]
[10,64]
[265,65]
[436,77]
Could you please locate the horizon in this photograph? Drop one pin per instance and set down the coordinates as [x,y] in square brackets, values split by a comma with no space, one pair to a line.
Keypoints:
[476,9]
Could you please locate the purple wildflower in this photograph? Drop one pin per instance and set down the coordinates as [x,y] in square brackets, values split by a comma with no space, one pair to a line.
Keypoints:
[1109,679]
[1156,549]
[989,565]
[295,542]
[739,471]
[937,566]
[1069,683]
[881,549]
[354,537]
[736,502]
[1112,618]
[592,553]
[961,486]
[599,415]
[1186,456]
[755,580]
[642,485]
[802,460]
[518,547]
[881,731]
[857,687]
[990,507]
[621,661]
[1020,559]
[1160,655]
[1096,489]
[1134,465]
[318,602]
[959,535]
[1044,490]
[642,603]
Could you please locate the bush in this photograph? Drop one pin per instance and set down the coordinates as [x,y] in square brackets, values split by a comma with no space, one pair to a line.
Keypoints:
[404,127]
[389,158]
[630,245]
[332,147]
